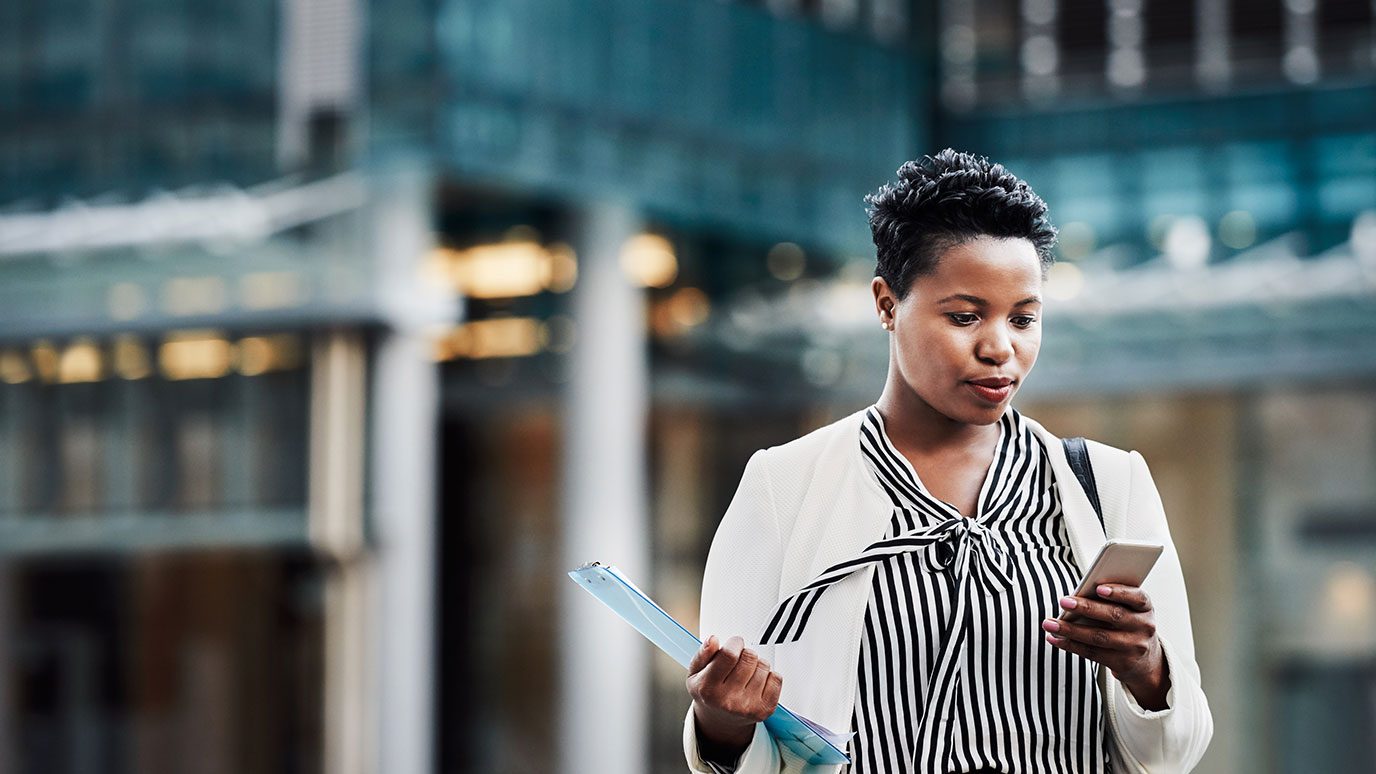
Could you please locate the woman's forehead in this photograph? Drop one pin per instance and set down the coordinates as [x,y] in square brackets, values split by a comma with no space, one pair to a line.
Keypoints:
[1005,270]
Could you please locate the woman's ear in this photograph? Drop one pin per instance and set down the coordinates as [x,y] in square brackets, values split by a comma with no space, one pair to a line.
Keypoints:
[884,301]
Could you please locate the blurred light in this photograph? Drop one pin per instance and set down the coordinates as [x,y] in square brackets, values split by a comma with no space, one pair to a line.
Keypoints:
[1076,240]
[1237,229]
[184,296]
[1364,236]
[786,261]
[559,334]
[45,359]
[1125,26]
[822,367]
[501,337]
[501,270]
[14,369]
[130,358]
[563,264]
[1187,242]
[436,269]
[80,362]
[686,309]
[858,270]
[220,220]
[958,44]
[1039,11]
[256,355]
[1300,7]
[1301,65]
[1350,594]
[271,290]
[1039,55]
[649,260]
[1064,281]
[195,355]
[843,303]
[126,300]
[1126,67]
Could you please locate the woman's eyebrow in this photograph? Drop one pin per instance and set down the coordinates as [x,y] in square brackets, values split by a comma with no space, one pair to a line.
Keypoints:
[976,300]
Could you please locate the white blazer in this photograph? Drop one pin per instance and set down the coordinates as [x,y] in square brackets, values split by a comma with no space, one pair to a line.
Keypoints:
[809,503]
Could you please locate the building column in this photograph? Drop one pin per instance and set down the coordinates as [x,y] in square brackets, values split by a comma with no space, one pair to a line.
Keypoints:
[605,677]
[403,422]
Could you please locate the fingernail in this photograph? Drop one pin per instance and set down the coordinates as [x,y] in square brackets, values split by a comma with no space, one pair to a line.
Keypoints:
[1068,603]
[1052,638]
[1051,625]
[1104,591]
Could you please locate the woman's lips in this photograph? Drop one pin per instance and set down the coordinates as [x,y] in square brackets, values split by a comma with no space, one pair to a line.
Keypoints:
[991,394]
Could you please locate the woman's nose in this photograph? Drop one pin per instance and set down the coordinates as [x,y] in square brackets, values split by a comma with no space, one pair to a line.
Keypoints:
[996,346]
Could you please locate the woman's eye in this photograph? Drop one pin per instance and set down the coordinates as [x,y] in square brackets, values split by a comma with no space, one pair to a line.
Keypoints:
[1024,321]
[961,318]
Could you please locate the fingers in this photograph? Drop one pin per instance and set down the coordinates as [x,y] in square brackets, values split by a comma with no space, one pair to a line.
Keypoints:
[704,655]
[746,664]
[773,689]
[1093,611]
[722,664]
[733,679]
[759,679]
[732,666]
[1132,596]
[1079,648]
[1094,636]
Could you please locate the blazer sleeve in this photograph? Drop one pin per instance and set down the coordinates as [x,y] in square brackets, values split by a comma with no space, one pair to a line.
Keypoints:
[739,589]
[1175,738]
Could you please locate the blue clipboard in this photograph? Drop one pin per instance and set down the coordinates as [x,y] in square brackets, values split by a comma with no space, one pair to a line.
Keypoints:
[806,739]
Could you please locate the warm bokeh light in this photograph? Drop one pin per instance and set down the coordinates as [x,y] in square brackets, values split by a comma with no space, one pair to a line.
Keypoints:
[496,338]
[786,261]
[255,355]
[81,361]
[195,355]
[1064,281]
[649,260]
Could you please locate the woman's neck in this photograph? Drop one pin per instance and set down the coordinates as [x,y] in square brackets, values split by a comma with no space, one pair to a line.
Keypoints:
[913,425]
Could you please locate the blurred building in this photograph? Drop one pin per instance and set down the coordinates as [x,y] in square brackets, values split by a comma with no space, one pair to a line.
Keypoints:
[332,334]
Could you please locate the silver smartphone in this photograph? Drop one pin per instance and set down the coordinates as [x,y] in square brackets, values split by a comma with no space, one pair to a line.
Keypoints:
[1119,561]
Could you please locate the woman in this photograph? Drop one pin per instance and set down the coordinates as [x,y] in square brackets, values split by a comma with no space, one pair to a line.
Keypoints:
[904,566]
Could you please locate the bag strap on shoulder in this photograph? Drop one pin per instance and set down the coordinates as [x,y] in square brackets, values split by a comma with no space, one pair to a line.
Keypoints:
[1077,454]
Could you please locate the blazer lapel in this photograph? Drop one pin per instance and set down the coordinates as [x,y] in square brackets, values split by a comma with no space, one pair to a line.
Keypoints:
[820,668]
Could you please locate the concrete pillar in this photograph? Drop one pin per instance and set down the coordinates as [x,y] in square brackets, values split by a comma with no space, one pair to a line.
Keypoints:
[603,710]
[405,414]
[403,420]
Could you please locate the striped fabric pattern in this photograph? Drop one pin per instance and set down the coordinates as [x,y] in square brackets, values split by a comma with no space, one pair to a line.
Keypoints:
[955,676]
[954,672]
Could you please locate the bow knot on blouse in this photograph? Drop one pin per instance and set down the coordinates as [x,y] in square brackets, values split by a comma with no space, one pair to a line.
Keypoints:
[959,545]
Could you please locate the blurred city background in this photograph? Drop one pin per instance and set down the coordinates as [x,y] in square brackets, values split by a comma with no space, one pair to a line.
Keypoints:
[333,333]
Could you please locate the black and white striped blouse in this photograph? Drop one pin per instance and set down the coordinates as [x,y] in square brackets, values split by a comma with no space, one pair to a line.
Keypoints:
[955,674]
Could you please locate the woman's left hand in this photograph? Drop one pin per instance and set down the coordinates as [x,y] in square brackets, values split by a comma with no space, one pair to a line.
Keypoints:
[1117,630]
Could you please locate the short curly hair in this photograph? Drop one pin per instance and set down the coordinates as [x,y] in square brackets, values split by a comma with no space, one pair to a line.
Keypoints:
[943,201]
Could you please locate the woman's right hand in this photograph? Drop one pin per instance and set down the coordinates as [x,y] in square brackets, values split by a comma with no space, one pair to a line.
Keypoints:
[732,689]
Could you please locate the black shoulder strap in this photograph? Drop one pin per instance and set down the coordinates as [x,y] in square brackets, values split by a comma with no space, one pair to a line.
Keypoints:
[1077,454]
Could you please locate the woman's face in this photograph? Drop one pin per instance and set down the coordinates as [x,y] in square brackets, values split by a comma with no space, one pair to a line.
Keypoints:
[977,317]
